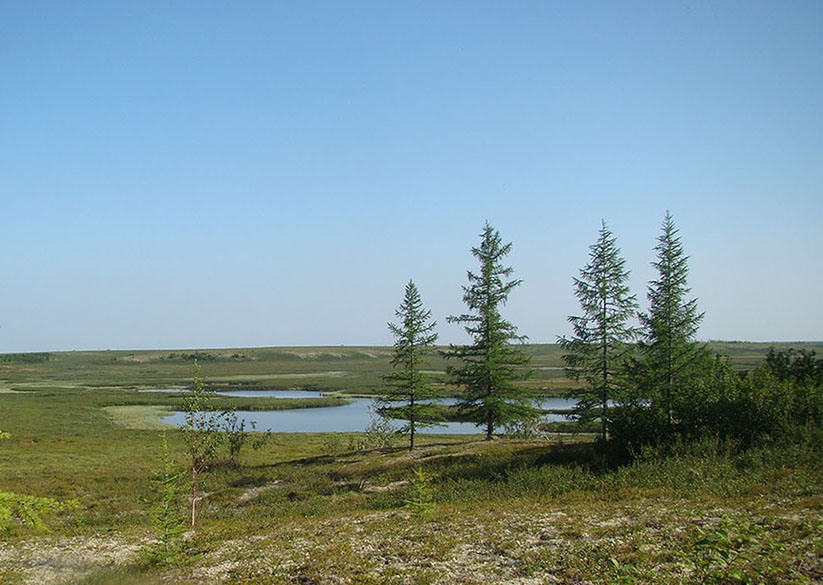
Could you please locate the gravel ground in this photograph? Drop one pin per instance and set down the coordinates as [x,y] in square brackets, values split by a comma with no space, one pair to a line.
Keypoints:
[645,540]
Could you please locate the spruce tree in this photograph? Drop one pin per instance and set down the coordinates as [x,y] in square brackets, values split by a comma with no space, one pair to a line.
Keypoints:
[493,362]
[414,337]
[603,333]
[668,350]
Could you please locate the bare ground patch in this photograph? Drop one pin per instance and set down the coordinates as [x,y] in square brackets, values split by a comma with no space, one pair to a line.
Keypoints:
[254,492]
[542,543]
[51,561]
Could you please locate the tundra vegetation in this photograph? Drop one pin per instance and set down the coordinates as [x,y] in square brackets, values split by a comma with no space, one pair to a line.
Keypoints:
[709,469]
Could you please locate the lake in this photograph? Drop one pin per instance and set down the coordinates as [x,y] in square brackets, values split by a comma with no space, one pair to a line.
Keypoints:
[349,418]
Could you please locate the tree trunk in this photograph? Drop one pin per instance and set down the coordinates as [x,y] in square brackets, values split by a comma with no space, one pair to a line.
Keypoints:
[193,494]
[411,428]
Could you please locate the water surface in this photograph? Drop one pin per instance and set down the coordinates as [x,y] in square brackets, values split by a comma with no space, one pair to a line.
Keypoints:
[349,418]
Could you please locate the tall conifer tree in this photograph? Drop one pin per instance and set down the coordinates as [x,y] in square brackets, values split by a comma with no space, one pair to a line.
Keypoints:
[493,362]
[668,350]
[602,334]
[414,337]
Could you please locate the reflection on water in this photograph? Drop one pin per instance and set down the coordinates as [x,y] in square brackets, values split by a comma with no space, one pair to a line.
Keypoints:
[349,418]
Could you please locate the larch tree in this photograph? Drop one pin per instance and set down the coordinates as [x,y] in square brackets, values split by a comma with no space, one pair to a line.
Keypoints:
[603,332]
[668,351]
[414,338]
[493,362]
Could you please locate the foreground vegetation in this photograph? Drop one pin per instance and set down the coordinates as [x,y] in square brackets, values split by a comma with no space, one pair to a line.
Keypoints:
[326,508]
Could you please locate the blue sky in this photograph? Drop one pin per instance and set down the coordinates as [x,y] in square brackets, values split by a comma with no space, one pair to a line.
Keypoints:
[226,174]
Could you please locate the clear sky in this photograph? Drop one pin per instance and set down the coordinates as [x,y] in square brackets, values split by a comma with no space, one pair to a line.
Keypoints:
[231,174]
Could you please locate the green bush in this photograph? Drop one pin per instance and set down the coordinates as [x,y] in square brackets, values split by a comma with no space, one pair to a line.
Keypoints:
[769,403]
[25,358]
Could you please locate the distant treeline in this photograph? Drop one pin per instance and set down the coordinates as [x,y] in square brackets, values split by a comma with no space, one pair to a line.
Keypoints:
[202,356]
[25,358]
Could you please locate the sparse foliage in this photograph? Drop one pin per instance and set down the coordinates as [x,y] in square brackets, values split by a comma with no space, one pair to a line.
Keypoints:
[493,362]
[237,436]
[378,433]
[202,433]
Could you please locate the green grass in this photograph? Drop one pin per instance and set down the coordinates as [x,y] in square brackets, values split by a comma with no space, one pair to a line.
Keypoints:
[139,417]
[285,368]
[313,508]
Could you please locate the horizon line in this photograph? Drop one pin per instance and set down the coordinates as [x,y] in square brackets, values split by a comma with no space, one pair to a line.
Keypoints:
[345,345]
